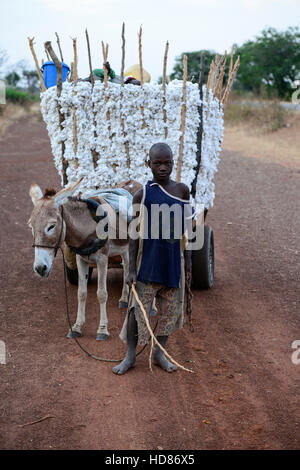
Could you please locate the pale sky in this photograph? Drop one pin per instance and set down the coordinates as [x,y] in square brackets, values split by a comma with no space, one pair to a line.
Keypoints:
[188,25]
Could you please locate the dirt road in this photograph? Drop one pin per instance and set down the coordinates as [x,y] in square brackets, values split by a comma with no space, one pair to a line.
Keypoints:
[245,393]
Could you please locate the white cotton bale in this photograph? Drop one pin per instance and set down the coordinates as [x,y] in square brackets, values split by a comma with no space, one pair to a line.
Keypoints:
[92,111]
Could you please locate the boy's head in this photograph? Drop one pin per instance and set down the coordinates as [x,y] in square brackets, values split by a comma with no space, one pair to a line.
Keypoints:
[161,161]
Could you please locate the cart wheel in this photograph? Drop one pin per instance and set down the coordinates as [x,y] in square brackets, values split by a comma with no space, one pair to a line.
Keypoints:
[203,262]
[72,275]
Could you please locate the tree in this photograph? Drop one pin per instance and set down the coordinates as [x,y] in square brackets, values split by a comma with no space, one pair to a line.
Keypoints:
[32,80]
[12,79]
[193,65]
[3,60]
[272,60]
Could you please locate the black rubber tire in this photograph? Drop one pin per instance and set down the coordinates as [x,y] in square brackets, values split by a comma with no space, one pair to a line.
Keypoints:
[203,262]
[72,275]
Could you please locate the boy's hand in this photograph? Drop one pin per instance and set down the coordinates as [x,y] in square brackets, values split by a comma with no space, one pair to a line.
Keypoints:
[131,278]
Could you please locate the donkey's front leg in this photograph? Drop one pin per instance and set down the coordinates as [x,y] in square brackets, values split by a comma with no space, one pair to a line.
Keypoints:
[83,272]
[123,302]
[102,264]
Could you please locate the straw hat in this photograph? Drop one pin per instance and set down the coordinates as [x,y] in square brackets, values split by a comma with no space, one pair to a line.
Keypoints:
[134,71]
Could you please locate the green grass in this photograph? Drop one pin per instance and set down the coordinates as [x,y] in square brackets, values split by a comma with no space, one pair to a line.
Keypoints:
[14,95]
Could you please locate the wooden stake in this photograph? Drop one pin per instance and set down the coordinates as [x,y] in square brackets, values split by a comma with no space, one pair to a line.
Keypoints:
[31,43]
[141,74]
[58,66]
[121,97]
[123,55]
[218,88]
[231,60]
[182,125]
[230,81]
[48,57]
[164,87]
[75,78]
[200,128]
[95,154]
[141,58]
[75,62]
[90,60]
[58,43]
[61,117]
[71,74]
[209,78]
[105,54]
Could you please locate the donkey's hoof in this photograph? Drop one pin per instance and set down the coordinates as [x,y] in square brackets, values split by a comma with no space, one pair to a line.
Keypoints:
[123,304]
[101,337]
[73,334]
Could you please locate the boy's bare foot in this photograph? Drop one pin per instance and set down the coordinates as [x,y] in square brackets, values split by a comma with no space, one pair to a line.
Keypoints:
[123,367]
[160,360]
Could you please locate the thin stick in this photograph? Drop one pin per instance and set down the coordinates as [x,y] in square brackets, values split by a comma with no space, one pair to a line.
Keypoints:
[71,74]
[200,128]
[121,97]
[61,117]
[48,57]
[218,88]
[75,77]
[75,61]
[37,421]
[230,81]
[141,58]
[31,43]
[182,125]
[105,54]
[60,51]
[151,332]
[164,88]
[141,75]
[231,60]
[123,55]
[58,66]
[94,152]
[90,60]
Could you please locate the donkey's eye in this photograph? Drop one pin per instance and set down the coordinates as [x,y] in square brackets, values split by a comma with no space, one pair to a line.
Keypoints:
[50,228]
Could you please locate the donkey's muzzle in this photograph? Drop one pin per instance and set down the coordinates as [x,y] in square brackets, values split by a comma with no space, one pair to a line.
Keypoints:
[42,270]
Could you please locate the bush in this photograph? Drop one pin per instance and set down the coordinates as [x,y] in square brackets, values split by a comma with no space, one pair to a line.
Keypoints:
[20,97]
[267,116]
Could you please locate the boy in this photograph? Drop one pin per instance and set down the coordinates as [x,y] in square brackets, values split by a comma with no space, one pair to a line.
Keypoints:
[155,262]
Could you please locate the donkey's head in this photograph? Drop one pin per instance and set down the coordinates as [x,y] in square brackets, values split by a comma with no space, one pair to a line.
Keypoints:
[47,224]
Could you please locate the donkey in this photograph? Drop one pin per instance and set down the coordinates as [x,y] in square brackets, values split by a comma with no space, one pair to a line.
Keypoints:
[59,217]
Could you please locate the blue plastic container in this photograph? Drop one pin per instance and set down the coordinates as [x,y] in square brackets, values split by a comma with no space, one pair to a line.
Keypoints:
[50,75]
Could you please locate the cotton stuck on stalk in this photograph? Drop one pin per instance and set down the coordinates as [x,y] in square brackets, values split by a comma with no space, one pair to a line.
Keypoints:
[98,123]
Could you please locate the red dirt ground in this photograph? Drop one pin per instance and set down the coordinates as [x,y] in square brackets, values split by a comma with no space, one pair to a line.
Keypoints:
[245,393]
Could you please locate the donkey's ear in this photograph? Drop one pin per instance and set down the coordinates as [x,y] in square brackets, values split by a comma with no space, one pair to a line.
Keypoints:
[35,193]
[63,194]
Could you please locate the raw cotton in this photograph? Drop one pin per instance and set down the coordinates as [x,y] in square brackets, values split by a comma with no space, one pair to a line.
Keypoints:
[109,141]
